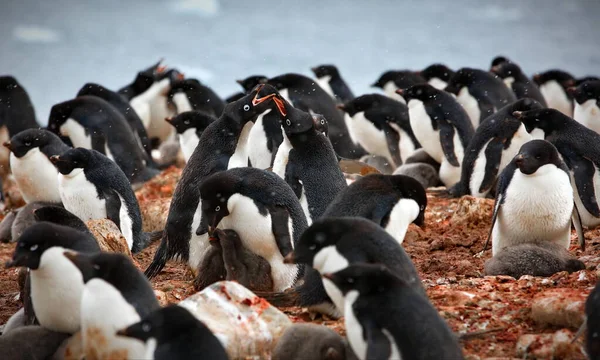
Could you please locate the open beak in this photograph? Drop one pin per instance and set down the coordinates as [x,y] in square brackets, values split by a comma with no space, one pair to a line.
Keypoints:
[400,91]
[261,100]
[7,145]
[289,258]
[518,114]
[280,103]
[161,69]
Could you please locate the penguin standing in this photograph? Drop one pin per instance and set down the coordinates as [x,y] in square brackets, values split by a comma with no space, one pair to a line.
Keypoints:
[160,107]
[392,80]
[116,295]
[553,85]
[173,333]
[441,126]
[264,140]
[381,125]
[190,94]
[437,75]
[222,145]
[92,123]
[480,93]
[330,80]
[587,107]
[386,319]
[34,174]
[262,209]
[248,84]
[534,201]
[189,126]
[523,87]
[92,186]
[140,93]
[495,143]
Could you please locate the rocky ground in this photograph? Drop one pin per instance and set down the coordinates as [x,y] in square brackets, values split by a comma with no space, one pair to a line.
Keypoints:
[498,314]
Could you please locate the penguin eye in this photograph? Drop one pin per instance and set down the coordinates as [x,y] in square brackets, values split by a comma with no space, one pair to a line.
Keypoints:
[313,247]
[34,247]
[96,267]
[350,280]
[218,208]
[422,207]
[246,107]
[288,122]
[187,122]
[27,143]
[146,327]
[537,157]
[322,122]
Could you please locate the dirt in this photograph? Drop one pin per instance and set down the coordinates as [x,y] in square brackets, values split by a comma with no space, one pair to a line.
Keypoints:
[445,255]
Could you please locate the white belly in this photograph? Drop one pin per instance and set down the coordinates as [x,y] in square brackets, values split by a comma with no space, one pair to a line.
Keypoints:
[240,156]
[329,260]
[76,133]
[126,223]
[405,144]
[450,174]
[423,130]
[258,152]
[142,109]
[390,90]
[182,102]
[438,83]
[305,206]
[348,122]
[188,142]
[588,115]
[369,137]
[80,196]
[159,111]
[587,219]
[470,104]
[324,84]
[556,98]
[281,158]
[403,214]
[199,245]
[354,330]
[36,177]
[537,208]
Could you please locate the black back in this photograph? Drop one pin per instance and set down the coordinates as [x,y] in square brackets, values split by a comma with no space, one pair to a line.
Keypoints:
[402,78]
[588,90]
[340,89]
[565,79]
[60,216]
[522,86]
[439,71]
[200,96]
[48,143]
[16,110]
[592,311]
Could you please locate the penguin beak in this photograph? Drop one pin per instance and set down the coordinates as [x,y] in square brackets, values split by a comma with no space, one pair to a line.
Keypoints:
[168,119]
[400,92]
[258,100]
[280,103]
[568,83]
[54,159]
[495,69]
[160,69]
[328,276]
[519,159]
[518,114]
[289,258]
[122,332]
[7,145]
[341,107]
[571,91]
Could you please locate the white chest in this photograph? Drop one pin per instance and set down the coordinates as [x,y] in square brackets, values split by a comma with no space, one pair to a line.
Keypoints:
[159,111]
[188,142]
[329,260]
[348,122]
[403,214]
[282,156]
[588,114]
[405,144]
[142,108]
[556,98]
[390,90]
[438,83]
[76,134]
[587,219]
[199,245]
[240,156]
[354,330]
[182,102]
[420,123]
[36,177]
[125,222]
[323,82]
[509,81]
[258,151]
[305,205]
[80,196]
[470,104]
[370,137]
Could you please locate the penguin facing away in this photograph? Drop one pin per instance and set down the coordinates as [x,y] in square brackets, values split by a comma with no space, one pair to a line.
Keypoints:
[392,80]
[515,79]
[142,82]
[189,126]
[34,174]
[553,85]
[190,94]
[173,333]
[534,201]
[16,109]
[437,75]
[387,319]
[587,110]
[329,79]
[221,146]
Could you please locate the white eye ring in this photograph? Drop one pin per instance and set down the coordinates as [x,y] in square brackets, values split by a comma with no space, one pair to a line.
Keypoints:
[28,143]
[218,208]
[312,247]
[187,122]
[33,247]
[288,122]
[96,267]
[350,280]
[146,327]
[246,107]
[322,122]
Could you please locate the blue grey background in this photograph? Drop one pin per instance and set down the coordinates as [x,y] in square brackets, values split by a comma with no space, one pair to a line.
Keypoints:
[54,46]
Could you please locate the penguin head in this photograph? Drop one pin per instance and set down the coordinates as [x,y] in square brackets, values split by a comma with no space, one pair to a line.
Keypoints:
[53,214]
[320,124]
[589,90]
[410,188]
[535,154]
[563,78]
[361,103]
[288,80]
[8,83]
[173,75]
[215,192]
[365,278]
[59,113]
[507,69]
[36,239]
[198,120]
[421,92]
[73,159]
[106,266]
[500,59]
[524,104]
[439,71]
[586,79]
[29,139]
[252,81]
[295,121]
[92,89]
[227,237]
[545,119]
[325,70]
[385,78]
[186,86]
[461,78]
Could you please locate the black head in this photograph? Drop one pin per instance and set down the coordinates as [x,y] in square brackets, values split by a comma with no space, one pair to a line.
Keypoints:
[93,90]
[585,79]
[499,60]
[439,71]
[251,82]
[256,102]
[8,83]
[365,278]
[26,140]
[36,239]
[463,77]
[524,104]
[173,75]
[61,216]
[78,158]
[409,188]
[220,237]
[545,119]
[170,322]
[191,120]
[422,92]
[507,69]
[145,78]
[361,103]
[287,80]
[215,192]
[59,113]
[589,90]
[325,70]
[535,154]
[565,79]
[385,78]
[106,266]
[320,124]
[294,121]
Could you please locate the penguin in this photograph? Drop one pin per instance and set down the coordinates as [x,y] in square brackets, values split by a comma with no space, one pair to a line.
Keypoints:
[578,147]
[55,282]
[307,95]
[6,226]
[534,200]
[160,106]
[31,342]
[116,295]
[518,82]
[93,187]
[480,93]
[34,174]
[592,313]
[386,318]
[262,209]
[92,123]
[222,145]
[437,75]
[535,259]
[424,173]
[189,126]
[553,85]
[61,216]
[248,84]
[122,105]
[381,126]
[310,166]
[26,217]
[381,163]
[173,333]
[392,80]
[142,82]
[498,60]
[310,341]
[421,156]
[329,79]
[264,140]
[495,143]
[580,81]
[441,126]
[587,107]
[190,94]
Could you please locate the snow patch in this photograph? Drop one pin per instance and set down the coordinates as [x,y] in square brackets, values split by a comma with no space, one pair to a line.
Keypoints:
[198,7]
[35,34]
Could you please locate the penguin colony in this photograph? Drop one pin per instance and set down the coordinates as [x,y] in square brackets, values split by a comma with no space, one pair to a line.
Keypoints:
[296,189]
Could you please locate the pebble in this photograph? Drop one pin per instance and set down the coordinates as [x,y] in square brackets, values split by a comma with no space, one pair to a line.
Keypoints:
[549,346]
[559,307]
[108,236]
[472,211]
[154,214]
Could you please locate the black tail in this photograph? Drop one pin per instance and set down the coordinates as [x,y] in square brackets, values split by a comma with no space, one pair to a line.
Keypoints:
[160,259]
[145,239]
[287,298]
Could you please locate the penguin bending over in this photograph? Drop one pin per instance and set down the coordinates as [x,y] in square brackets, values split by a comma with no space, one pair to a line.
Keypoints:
[330,80]
[393,80]
[190,94]
[437,75]
[587,107]
[523,87]
[553,85]
[189,126]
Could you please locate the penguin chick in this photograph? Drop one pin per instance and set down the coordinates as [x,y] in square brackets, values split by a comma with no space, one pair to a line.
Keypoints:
[31,342]
[6,226]
[310,341]
[425,174]
[26,217]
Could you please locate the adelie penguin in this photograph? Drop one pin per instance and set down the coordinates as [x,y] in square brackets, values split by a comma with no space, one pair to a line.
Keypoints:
[30,163]
[553,85]
[495,143]
[304,93]
[392,80]
[578,147]
[116,295]
[329,79]
[534,201]
[306,160]
[223,145]
[480,93]
[441,126]
[92,123]
[437,75]
[310,341]
[521,85]
[92,187]
[247,84]
[173,333]
[592,313]
[262,209]
[587,106]
[386,318]
[190,94]
[31,342]
[498,60]
[189,126]
[381,126]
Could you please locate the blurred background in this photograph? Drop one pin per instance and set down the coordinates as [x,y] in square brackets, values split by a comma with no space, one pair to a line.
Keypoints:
[53,47]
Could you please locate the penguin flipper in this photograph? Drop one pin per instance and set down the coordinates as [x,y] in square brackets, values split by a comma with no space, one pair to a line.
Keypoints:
[98,142]
[279,227]
[486,108]
[447,142]
[493,155]
[576,218]
[113,206]
[378,345]
[393,141]
[584,172]
[291,177]
[494,217]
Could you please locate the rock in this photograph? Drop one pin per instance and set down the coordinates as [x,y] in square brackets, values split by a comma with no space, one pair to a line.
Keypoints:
[549,346]
[246,325]
[378,162]
[161,297]
[423,173]
[471,212]
[560,307]
[154,214]
[13,198]
[108,236]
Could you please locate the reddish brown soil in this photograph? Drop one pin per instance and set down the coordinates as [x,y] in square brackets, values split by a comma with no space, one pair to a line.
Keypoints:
[444,255]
